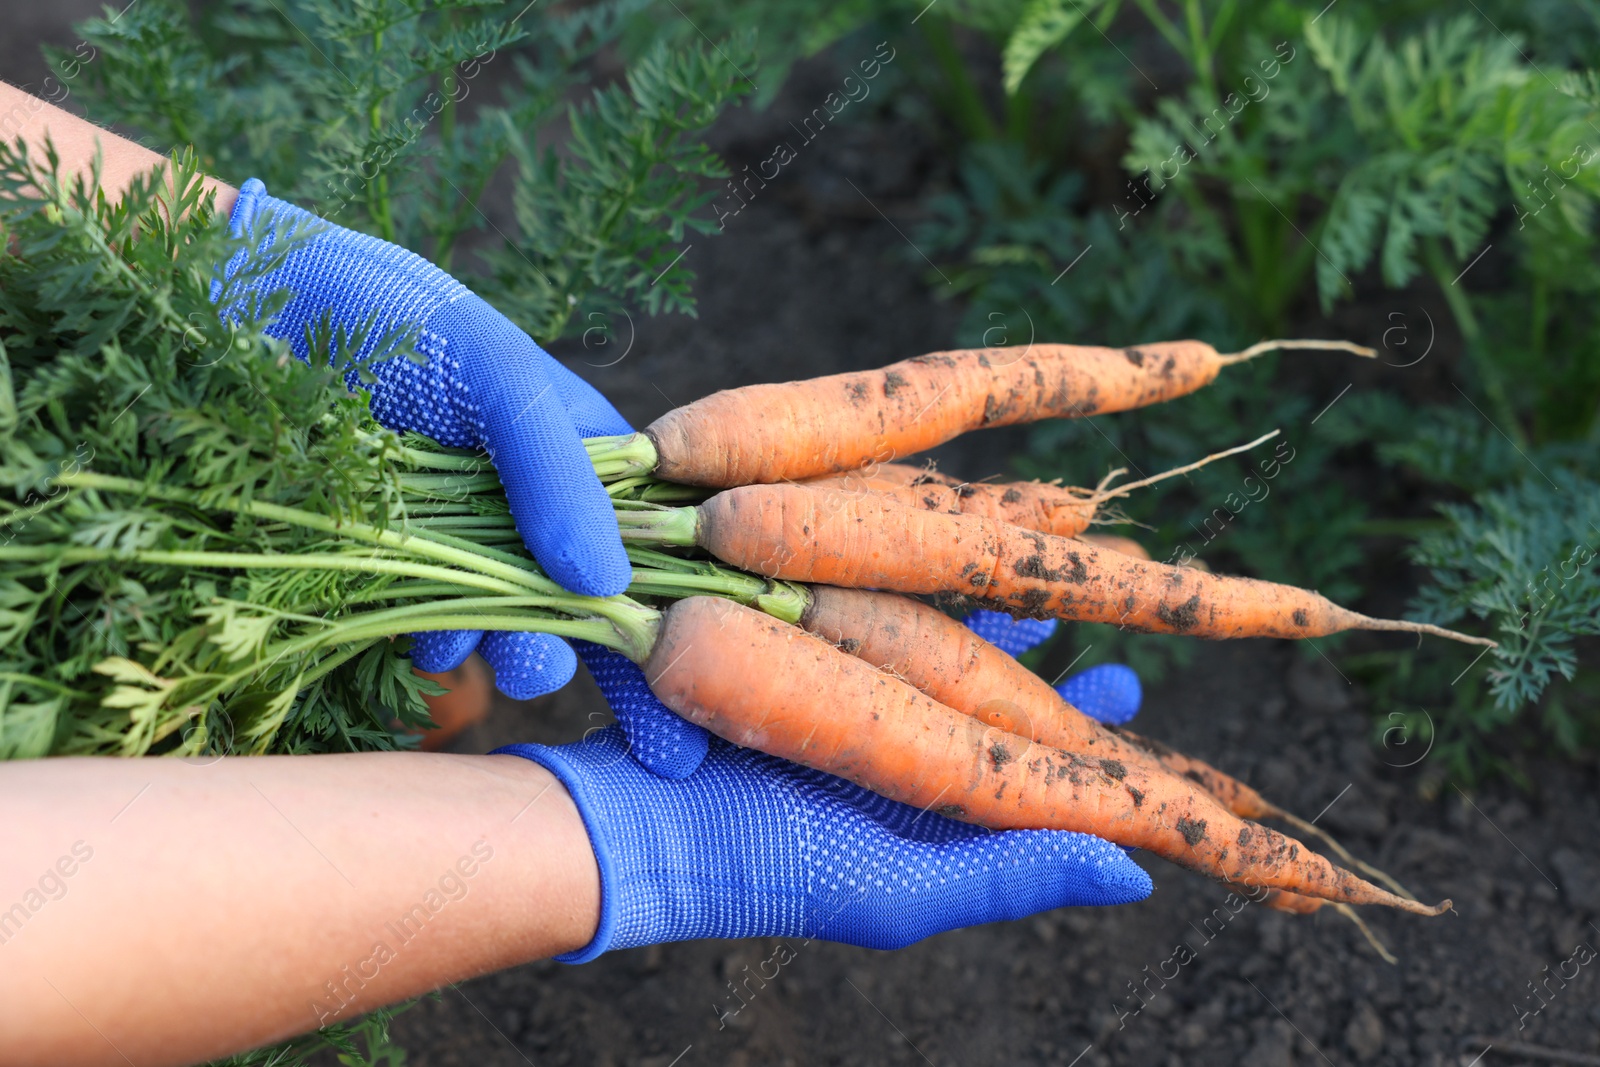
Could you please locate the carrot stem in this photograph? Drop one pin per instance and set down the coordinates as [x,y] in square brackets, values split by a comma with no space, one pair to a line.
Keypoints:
[782,600]
[658,526]
[622,456]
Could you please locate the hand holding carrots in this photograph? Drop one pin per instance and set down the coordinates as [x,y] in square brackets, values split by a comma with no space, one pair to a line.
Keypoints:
[749,845]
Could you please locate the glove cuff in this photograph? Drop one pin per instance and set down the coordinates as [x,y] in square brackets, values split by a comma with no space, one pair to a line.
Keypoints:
[568,774]
[251,195]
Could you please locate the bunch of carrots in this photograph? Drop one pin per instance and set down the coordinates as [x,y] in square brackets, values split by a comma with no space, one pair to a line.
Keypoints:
[800,484]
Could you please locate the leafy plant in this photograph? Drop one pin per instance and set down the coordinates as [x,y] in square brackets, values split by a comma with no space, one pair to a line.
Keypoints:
[362,113]
[1525,559]
[208,547]
[1319,155]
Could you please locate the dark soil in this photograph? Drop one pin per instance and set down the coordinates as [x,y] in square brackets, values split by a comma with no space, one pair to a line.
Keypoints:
[810,279]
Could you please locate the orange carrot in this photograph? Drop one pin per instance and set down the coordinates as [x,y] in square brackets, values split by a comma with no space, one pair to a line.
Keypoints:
[1245,802]
[858,540]
[1237,797]
[959,669]
[1062,510]
[1116,543]
[797,430]
[469,691]
[953,665]
[1293,903]
[1065,511]
[812,704]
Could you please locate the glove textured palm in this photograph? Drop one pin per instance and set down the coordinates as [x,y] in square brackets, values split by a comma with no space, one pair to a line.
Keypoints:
[754,846]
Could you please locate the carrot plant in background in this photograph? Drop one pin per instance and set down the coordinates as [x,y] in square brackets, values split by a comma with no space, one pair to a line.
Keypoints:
[395,116]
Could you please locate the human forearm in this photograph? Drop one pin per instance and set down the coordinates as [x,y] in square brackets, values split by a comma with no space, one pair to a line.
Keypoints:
[76,141]
[235,903]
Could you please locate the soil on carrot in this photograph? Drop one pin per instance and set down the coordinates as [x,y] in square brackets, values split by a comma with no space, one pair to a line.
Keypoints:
[809,279]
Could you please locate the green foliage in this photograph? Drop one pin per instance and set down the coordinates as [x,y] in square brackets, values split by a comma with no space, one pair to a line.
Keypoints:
[209,547]
[1043,25]
[117,366]
[1523,558]
[361,112]
[1454,126]
[362,1042]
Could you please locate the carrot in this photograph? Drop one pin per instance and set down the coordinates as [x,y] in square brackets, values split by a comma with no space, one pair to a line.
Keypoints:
[1237,797]
[1063,510]
[857,540]
[1066,511]
[950,663]
[812,704]
[892,475]
[1245,802]
[1293,903]
[797,430]
[1116,543]
[959,669]
[469,692]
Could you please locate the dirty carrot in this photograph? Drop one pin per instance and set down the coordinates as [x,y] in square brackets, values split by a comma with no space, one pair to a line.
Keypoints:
[1245,802]
[952,664]
[798,430]
[1236,796]
[1065,511]
[813,704]
[858,540]
[958,668]
[947,661]
[1116,543]
[1057,509]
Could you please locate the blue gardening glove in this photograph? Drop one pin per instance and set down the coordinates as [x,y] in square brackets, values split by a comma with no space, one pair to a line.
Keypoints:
[754,846]
[1109,692]
[748,845]
[485,384]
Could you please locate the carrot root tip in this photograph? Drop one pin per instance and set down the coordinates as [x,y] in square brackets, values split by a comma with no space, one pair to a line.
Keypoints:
[1264,347]
[1372,939]
[1339,850]
[1418,908]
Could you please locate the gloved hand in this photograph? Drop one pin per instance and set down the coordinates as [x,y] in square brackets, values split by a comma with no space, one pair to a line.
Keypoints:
[754,846]
[749,845]
[485,384]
